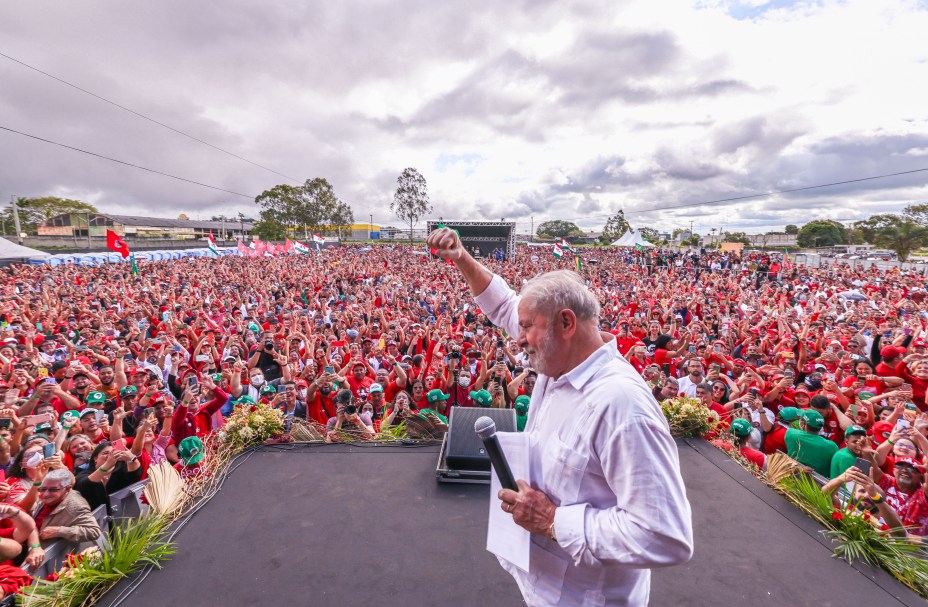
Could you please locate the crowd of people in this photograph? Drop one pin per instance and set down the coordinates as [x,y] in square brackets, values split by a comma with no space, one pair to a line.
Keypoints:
[104,373]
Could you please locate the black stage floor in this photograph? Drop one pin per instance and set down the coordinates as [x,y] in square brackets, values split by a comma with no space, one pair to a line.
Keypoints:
[341,525]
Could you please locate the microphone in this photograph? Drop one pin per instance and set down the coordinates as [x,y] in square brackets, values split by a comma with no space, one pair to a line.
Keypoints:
[485,428]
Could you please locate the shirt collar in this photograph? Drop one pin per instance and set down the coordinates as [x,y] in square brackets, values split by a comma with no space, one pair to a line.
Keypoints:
[582,373]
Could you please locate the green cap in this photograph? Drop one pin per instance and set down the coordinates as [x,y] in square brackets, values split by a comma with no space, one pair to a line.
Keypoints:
[268,389]
[481,397]
[855,429]
[789,414]
[522,404]
[436,395]
[69,414]
[244,399]
[812,418]
[43,428]
[126,390]
[741,427]
[865,395]
[191,450]
[95,398]
[217,378]
[253,327]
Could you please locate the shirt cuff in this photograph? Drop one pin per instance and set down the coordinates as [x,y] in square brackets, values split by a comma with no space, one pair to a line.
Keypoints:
[493,295]
[570,528]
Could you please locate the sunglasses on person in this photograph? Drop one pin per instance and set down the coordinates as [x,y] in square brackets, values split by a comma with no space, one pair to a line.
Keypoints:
[50,489]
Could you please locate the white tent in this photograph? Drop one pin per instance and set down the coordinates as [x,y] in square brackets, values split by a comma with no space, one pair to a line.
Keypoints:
[630,239]
[12,252]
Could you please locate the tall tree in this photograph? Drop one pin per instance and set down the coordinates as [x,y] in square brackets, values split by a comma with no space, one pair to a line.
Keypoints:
[615,228]
[821,233]
[916,213]
[736,237]
[791,229]
[313,206]
[34,211]
[903,238]
[269,229]
[558,229]
[411,199]
[650,234]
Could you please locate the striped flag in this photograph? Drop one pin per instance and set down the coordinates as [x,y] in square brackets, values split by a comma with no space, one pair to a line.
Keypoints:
[566,246]
[579,263]
[211,243]
[318,239]
[299,247]
[558,251]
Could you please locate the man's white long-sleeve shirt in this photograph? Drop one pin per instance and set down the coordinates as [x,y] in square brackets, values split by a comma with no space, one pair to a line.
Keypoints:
[602,451]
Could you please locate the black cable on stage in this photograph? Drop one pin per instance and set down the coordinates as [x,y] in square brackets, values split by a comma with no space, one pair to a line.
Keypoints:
[144,117]
[129,164]
[233,466]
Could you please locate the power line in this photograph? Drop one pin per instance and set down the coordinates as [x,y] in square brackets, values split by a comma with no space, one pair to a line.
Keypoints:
[750,196]
[144,117]
[123,162]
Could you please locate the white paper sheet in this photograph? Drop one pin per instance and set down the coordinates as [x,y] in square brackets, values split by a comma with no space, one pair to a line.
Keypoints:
[505,539]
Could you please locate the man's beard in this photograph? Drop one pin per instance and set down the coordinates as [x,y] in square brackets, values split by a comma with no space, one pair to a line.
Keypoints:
[542,357]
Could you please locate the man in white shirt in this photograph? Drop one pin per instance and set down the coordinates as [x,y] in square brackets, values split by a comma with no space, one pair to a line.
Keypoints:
[693,378]
[606,501]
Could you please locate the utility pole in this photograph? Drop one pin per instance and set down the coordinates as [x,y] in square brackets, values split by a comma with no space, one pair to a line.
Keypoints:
[222,230]
[371,230]
[531,235]
[691,228]
[89,245]
[19,234]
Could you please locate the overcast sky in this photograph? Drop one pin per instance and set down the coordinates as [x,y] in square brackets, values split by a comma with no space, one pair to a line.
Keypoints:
[520,109]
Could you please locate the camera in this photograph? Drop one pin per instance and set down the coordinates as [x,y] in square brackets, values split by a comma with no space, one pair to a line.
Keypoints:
[269,345]
[351,409]
[455,355]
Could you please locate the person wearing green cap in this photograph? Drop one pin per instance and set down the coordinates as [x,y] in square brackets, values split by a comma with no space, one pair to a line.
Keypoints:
[435,399]
[857,444]
[482,398]
[191,453]
[807,446]
[775,438]
[741,430]
[521,406]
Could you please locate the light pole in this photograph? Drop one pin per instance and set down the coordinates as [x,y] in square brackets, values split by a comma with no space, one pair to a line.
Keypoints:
[370,232]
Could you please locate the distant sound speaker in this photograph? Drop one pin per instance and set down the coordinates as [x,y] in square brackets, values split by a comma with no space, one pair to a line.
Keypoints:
[465,449]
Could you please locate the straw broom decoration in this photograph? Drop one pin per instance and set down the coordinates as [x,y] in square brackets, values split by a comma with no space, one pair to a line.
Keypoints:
[779,466]
[165,489]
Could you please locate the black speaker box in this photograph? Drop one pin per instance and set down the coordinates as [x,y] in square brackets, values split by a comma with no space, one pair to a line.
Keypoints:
[465,449]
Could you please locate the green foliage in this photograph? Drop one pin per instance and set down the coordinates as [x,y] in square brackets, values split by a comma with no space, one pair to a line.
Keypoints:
[132,546]
[411,199]
[916,213]
[855,536]
[33,211]
[269,229]
[312,207]
[899,233]
[791,229]
[821,233]
[615,228]
[736,237]
[558,229]
[692,241]
[651,235]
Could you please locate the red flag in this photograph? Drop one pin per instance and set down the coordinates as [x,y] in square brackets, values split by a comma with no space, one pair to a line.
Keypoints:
[245,251]
[288,245]
[115,243]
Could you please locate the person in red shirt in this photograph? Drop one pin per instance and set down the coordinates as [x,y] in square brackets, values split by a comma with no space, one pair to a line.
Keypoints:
[741,429]
[191,453]
[908,476]
[192,418]
[892,363]
[360,379]
[775,439]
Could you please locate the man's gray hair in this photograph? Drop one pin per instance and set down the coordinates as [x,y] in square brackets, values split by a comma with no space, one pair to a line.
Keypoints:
[555,291]
[60,474]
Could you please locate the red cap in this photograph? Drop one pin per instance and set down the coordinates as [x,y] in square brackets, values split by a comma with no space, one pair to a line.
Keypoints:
[912,462]
[919,343]
[891,352]
[881,431]
[301,383]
